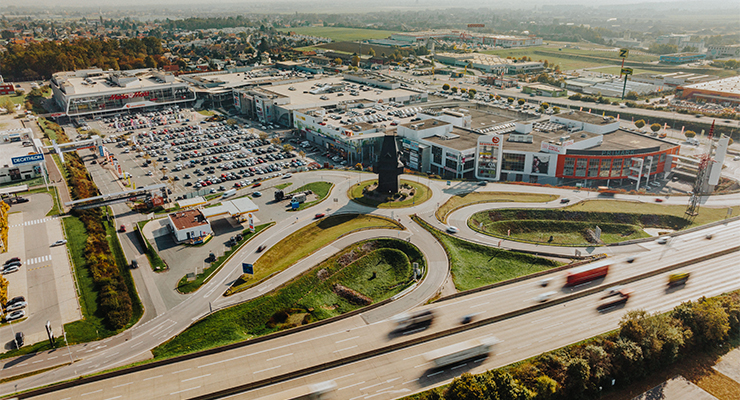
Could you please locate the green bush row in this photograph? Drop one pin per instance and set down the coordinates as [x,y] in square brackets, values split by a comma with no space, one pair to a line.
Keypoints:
[643,344]
[642,220]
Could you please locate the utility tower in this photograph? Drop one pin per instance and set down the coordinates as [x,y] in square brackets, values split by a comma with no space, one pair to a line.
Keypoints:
[702,178]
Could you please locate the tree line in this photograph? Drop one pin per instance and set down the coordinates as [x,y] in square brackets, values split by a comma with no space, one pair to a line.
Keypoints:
[39,60]
[643,344]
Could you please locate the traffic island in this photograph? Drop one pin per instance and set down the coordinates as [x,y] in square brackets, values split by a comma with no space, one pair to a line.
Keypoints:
[409,194]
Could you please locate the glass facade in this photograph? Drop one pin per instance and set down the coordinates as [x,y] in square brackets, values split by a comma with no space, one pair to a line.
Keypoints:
[437,155]
[616,167]
[112,102]
[569,166]
[513,162]
[606,164]
[581,167]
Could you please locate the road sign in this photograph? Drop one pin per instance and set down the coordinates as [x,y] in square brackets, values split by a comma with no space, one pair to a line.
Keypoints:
[623,53]
[248,268]
[627,71]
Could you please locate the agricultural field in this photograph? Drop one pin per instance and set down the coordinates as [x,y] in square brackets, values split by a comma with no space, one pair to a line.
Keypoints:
[340,34]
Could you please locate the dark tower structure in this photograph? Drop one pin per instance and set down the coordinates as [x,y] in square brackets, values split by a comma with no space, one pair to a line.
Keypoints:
[389,166]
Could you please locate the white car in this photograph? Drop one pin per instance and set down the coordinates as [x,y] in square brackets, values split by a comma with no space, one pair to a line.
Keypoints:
[452,229]
[545,296]
[16,306]
[10,269]
[662,240]
[59,242]
[15,315]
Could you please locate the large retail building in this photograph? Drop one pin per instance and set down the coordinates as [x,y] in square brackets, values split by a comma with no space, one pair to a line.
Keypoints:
[95,92]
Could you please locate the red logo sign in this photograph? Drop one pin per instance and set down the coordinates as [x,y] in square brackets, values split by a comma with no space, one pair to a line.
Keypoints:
[496,139]
[128,95]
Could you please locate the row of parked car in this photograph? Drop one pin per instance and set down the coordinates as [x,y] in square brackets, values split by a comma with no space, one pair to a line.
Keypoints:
[14,309]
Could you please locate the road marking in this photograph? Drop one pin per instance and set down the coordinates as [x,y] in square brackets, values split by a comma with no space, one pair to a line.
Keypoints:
[223,361]
[408,358]
[480,359]
[337,351]
[481,304]
[37,361]
[97,391]
[134,345]
[185,390]
[390,387]
[25,363]
[125,384]
[284,355]
[182,370]
[111,355]
[152,377]
[459,366]
[112,398]
[352,385]
[345,376]
[344,340]
[51,358]
[407,382]
[391,380]
[436,373]
[197,377]
[266,369]
[421,365]
[368,387]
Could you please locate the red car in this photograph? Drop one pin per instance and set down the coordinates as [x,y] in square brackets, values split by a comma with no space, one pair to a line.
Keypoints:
[123,228]
[658,200]
[319,215]
[257,185]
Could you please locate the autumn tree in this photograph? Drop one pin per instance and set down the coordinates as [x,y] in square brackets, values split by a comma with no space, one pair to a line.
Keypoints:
[689,134]
[655,127]
[446,86]
[287,148]
[639,123]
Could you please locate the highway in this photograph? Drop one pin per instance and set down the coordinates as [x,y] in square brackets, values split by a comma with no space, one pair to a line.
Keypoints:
[352,336]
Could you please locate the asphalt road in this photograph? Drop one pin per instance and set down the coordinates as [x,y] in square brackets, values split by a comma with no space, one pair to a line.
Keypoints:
[405,371]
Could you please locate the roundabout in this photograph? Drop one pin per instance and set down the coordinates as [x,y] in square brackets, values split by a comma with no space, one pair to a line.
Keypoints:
[410,194]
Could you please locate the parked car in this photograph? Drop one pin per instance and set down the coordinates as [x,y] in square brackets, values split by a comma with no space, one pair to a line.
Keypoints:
[10,269]
[319,215]
[564,201]
[15,300]
[257,194]
[134,264]
[15,306]
[122,228]
[15,315]
[662,240]
[14,259]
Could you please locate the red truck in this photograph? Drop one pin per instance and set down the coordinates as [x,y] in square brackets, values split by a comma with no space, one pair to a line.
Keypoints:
[587,273]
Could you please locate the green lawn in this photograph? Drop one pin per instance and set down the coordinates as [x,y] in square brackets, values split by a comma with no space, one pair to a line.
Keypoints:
[569,58]
[421,194]
[339,34]
[307,298]
[475,265]
[155,261]
[307,240]
[188,287]
[207,113]
[320,189]
[283,185]
[618,220]
[458,201]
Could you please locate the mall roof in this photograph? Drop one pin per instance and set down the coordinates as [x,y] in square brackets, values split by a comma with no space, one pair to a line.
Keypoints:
[583,116]
[102,82]
[460,139]
[727,85]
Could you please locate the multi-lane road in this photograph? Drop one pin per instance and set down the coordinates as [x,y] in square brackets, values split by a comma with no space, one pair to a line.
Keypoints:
[347,337]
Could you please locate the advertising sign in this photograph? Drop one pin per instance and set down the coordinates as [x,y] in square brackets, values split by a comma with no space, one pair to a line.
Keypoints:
[33,158]
[248,268]
[489,151]
[540,164]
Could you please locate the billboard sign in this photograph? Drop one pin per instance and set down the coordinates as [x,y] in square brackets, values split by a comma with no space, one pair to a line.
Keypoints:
[29,159]
[488,155]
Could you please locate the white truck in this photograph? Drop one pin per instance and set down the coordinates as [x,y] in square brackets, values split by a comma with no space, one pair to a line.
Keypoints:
[460,351]
[298,198]
[406,321]
[229,193]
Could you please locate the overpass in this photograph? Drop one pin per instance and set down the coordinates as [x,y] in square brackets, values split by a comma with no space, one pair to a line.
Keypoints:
[114,198]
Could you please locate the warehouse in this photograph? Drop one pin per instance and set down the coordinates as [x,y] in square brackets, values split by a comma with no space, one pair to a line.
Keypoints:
[723,91]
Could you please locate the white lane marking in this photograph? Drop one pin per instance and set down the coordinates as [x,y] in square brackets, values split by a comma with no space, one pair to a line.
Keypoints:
[267,369]
[481,304]
[51,358]
[337,351]
[344,340]
[134,345]
[408,358]
[411,381]
[111,355]
[152,377]
[197,377]
[223,361]
[368,387]
[284,355]
[479,360]
[391,380]
[125,384]
[459,366]
[182,370]
[185,390]
[381,390]
[97,391]
[421,365]
[345,376]
[352,385]
[112,398]
[436,373]
[37,361]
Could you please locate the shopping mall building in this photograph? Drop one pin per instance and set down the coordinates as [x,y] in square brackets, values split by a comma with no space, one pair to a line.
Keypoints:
[92,92]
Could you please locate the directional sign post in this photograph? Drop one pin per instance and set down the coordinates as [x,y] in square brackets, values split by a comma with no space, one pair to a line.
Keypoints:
[626,72]
[248,268]
[623,53]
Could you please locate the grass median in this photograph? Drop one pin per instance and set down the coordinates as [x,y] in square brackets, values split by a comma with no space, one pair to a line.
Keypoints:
[375,269]
[573,225]
[462,200]
[421,194]
[474,265]
[306,241]
[185,286]
[320,189]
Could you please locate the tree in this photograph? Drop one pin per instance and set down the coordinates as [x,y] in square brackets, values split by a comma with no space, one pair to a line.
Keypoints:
[491,96]
[355,60]
[465,387]
[706,318]
[521,102]
[3,290]
[453,89]
[577,376]
[655,127]
[446,86]
[287,148]
[8,105]
[556,110]
[302,154]
[371,52]
[472,92]
[231,122]
[545,105]
[689,134]
[498,97]
[276,141]
[631,95]
[545,387]
[337,61]
[510,100]
[262,135]
[149,62]
[19,92]
[639,123]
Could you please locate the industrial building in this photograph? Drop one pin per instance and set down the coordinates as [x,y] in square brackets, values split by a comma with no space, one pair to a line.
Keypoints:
[681,58]
[722,91]
[468,36]
[96,92]
[723,51]
[489,63]
[6,87]
[541,89]
[673,79]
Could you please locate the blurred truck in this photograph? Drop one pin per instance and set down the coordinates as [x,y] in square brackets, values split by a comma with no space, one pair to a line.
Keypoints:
[405,321]
[460,351]
[587,273]
[316,391]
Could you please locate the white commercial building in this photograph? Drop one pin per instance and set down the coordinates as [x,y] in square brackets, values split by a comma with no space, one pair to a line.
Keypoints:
[189,226]
[21,156]
[94,91]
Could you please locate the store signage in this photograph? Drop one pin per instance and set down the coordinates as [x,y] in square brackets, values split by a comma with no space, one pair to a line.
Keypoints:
[614,152]
[494,141]
[33,158]
[125,96]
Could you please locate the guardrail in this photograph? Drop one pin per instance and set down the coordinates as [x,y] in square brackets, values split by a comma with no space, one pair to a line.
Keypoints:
[448,332]
[677,233]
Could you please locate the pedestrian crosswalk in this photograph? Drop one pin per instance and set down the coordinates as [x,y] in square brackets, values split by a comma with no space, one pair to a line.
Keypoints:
[37,260]
[34,222]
